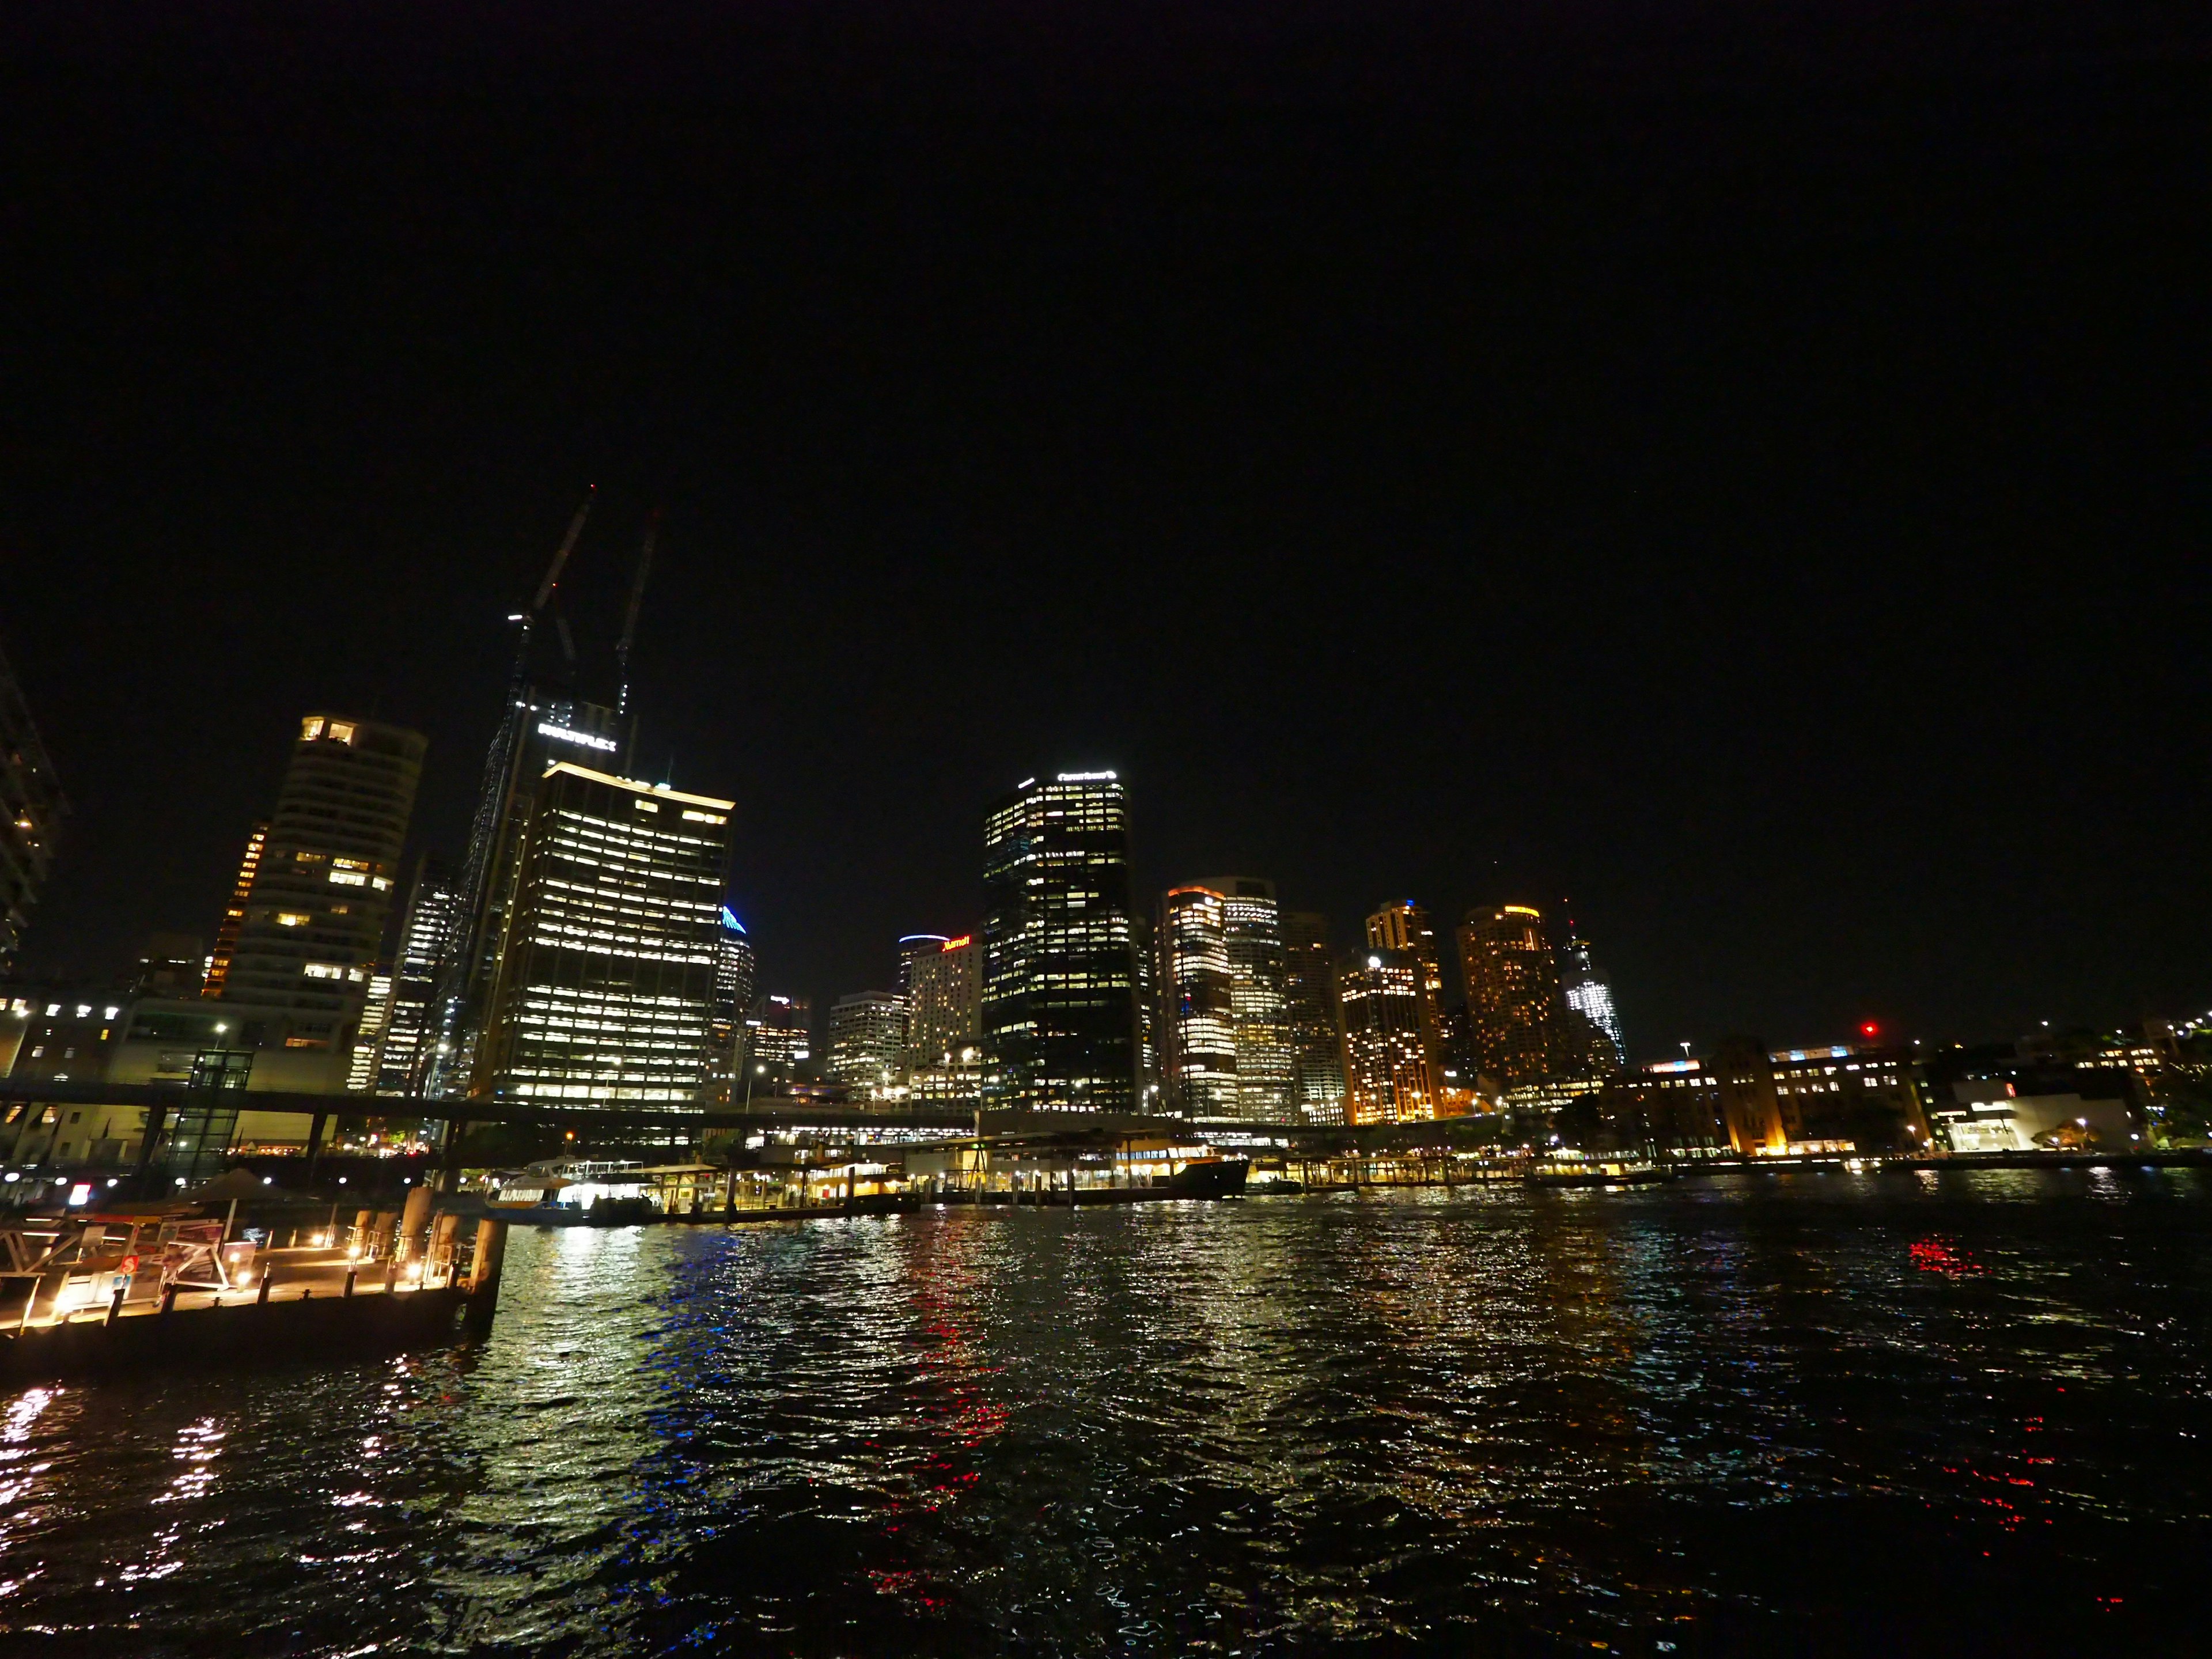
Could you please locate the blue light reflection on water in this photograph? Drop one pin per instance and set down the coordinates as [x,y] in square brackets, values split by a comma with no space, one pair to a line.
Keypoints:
[1741,1412]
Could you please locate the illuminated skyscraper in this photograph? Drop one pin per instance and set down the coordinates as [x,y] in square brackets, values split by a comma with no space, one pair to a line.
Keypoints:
[867,1043]
[1267,1061]
[375,1015]
[32,806]
[912,948]
[606,993]
[944,994]
[1593,1045]
[540,732]
[736,975]
[1310,1000]
[322,890]
[234,916]
[1388,1075]
[428,938]
[1198,1062]
[1060,1024]
[779,1038]
[1406,927]
[1512,993]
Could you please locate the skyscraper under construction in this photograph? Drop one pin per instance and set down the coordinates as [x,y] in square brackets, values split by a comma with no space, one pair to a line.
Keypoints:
[556,710]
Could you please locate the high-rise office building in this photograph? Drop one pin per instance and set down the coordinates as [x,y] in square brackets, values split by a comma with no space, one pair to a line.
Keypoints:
[234,914]
[1151,1018]
[1199,1053]
[914,948]
[737,976]
[1512,993]
[1592,1045]
[605,992]
[428,935]
[540,730]
[369,1041]
[32,806]
[1310,1001]
[1389,1077]
[779,1039]
[322,888]
[1406,927]
[1267,1061]
[1060,1025]
[867,1044]
[944,996]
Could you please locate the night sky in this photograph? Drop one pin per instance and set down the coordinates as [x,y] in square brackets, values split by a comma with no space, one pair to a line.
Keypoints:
[1743,466]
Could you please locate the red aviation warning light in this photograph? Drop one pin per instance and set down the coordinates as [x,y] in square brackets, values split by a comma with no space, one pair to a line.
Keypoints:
[1869,1030]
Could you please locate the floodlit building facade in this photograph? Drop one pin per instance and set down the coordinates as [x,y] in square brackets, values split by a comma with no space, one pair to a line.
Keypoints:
[1387,1075]
[606,985]
[1513,997]
[1060,1025]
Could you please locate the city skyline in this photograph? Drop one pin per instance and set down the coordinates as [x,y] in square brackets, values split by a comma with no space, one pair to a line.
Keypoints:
[1558,955]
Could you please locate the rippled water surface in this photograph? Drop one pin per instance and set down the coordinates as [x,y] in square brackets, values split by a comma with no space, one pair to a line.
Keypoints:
[1799,1413]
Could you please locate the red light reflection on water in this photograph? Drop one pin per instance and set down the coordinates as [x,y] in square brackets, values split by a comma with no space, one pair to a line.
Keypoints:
[1943,1255]
[953,1413]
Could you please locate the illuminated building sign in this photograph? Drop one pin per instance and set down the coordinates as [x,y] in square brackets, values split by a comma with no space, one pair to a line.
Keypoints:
[568,734]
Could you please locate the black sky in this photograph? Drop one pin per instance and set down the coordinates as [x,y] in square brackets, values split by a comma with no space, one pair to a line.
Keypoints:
[1746,467]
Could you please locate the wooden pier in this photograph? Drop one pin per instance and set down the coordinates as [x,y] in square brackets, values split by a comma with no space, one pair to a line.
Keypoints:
[107,1293]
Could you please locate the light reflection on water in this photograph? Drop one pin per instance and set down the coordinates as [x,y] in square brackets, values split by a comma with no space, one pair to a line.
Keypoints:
[1722,1415]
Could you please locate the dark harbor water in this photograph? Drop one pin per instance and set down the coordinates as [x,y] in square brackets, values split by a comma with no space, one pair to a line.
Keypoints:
[1793,1414]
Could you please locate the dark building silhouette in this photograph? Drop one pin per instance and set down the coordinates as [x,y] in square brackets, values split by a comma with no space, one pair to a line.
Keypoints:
[32,807]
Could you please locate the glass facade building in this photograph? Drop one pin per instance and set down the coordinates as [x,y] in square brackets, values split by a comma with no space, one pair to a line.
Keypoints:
[1198,1062]
[540,730]
[427,940]
[737,981]
[1061,1024]
[1310,1006]
[606,986]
